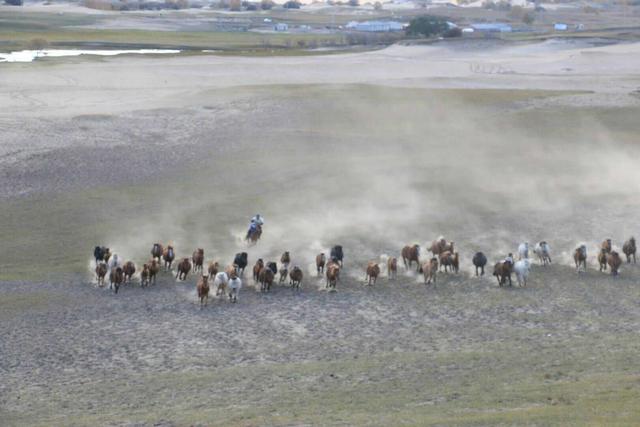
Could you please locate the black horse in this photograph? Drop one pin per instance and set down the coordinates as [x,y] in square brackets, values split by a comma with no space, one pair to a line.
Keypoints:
[241,260]
[479,260]
[98,253]
[337,254]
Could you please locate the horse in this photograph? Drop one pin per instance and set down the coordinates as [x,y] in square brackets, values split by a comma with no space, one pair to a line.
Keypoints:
[614,261]
[523,250]
[479,261]
[580,257]
[337,254]
[606,245]
[430,270]
[522,268]
[285,259]
[373,270]
[265,277]
[321,260]
[502,272]
[156,251]
[254,235]
[116,277]
[154,268]
[441,245]
[602,259]
[220,282]
[284,272]
[446,261]
[101,271]
[410,254]
[198,259]
[106,255]
[235,283]
[295,277]
[259,265]
[333,275]
[129,269]
[392,268]
[144,275]
[168,255]
[213,269]
[543,251]
[184,267]
[203,290]
[241,260]
[98,253]
[114,262]
[629,249]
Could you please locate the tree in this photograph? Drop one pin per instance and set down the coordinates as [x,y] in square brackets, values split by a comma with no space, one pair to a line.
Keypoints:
[427,26]
[38,44]
[266,4]
[528,18]
[14,2]
[377,6]
[354,3]
[235,5]
[292,4]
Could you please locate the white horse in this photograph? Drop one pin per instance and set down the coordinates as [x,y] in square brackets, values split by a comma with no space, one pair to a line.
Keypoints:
[522,268]
[114,262]
[523,250]
[220,281]
[234,287]
[543,251]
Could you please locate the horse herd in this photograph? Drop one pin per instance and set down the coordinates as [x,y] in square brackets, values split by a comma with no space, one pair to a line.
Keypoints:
[444,257]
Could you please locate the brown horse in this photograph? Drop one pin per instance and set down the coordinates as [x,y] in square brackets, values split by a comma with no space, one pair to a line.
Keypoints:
[430,270]
[144,275]
[295,277]
[440,245]
[168,255]
[156,251]
[580,257]
[101,272]
[213,269]
[154,268]
[107,255]
[257,268]
[333,274]
[266,277]
[602,259]
[410,254]
[321,260]
[285,259]
[198,259]
[373,270]
[614,261]
[446,261]
[129,269]
[203,290]
[606,245]
[230,269]
[392,268]
[629,249]
[502,271]
[254,235]
[116,278]
[184,267]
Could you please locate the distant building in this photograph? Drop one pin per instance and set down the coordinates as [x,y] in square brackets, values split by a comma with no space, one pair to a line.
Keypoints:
[560,27]
[497,27]
[375,26]
[281,26]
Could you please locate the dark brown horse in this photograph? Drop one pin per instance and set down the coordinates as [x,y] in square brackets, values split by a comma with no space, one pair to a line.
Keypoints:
[448,261]
[116,278]
[144,275]
[129,269]
[440,245]
[184,267]
[629,249]
[266,277]
[580,257]
[154,268]
[411,254]
[156,251]
[333,274]
[502,270]
[606,245]
[168,255]
[254,235]
[214,266]
[198,259]
[295,277]
[321,260]
[257,268]
[614,261]
[373,270]
[602,259]
[203,290]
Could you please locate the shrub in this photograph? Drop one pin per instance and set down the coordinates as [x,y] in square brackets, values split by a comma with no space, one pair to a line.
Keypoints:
[427,26]
[452,32]
[266,4]
[292,4]
[14,2]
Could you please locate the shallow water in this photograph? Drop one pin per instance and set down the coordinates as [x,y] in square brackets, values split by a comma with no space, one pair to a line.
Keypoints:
[32,55]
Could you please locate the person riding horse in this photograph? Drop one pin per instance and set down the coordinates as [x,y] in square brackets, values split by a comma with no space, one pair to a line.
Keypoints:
[256,222]
[509,259]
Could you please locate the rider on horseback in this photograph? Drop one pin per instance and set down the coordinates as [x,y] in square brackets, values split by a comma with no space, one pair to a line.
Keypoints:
[256,222]
[509,259]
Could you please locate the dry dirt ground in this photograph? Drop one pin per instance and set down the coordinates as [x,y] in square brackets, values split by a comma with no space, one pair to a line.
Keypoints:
[372,151]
